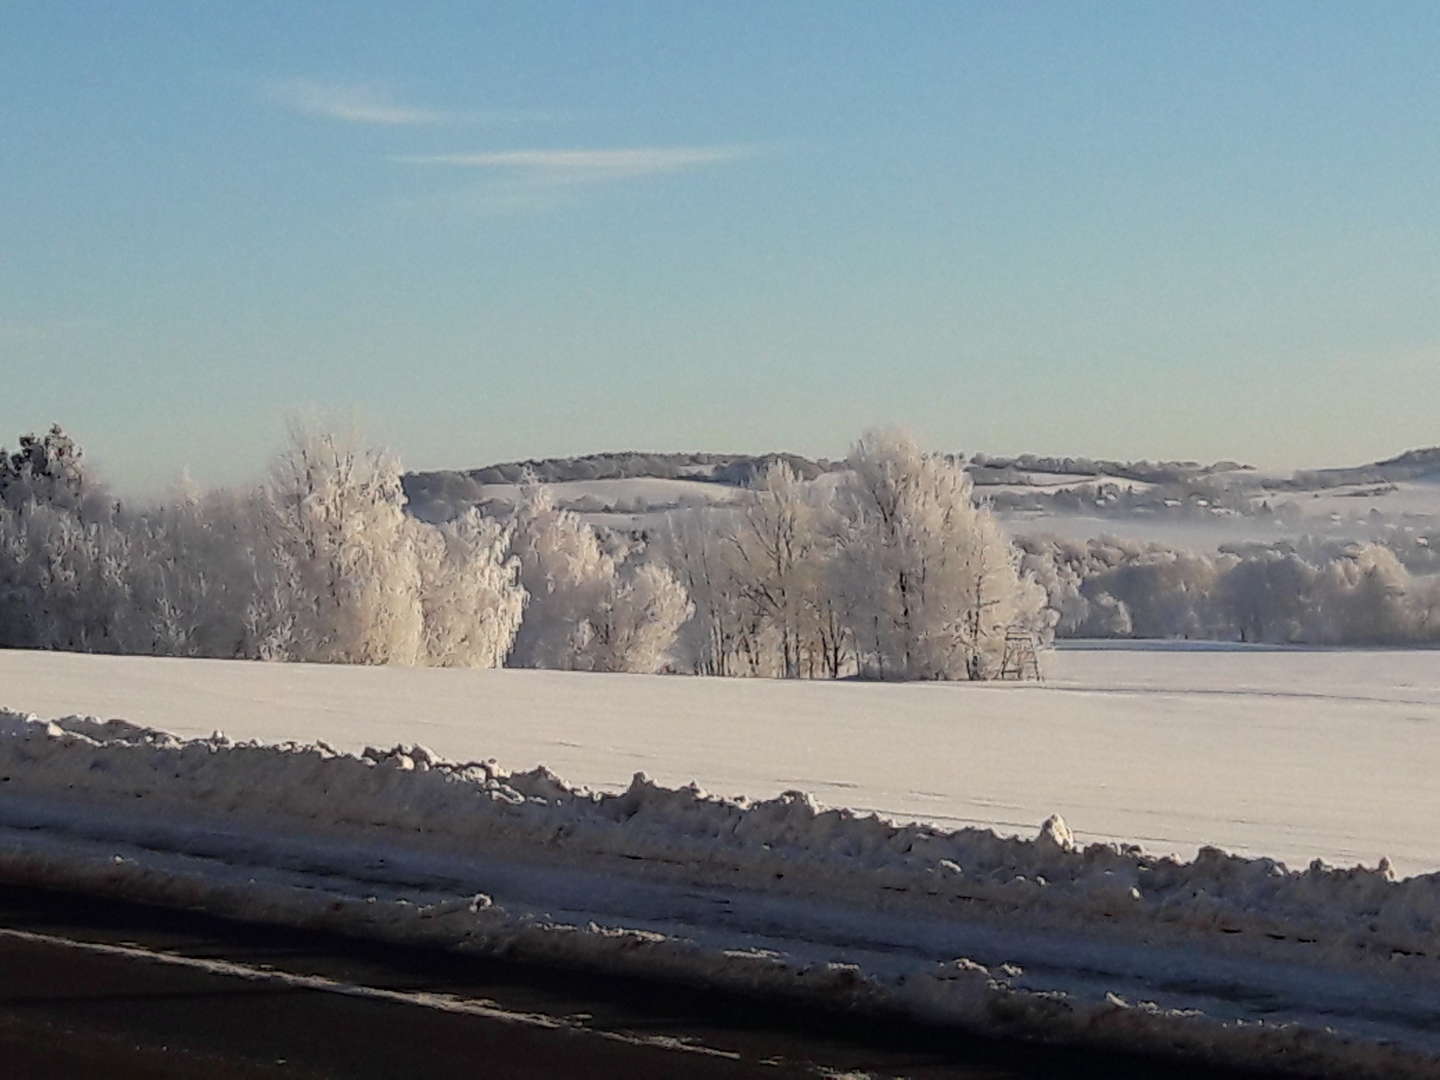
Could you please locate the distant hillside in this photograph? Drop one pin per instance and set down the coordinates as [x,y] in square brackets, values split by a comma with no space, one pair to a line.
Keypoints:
[1424,462]
[989,469]
[619,488]
[741,469]
[1412,465]
[439,493]
[634,464]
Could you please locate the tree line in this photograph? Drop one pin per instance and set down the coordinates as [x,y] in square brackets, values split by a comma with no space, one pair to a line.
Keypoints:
[1307,592]
[887,568]
[888,571]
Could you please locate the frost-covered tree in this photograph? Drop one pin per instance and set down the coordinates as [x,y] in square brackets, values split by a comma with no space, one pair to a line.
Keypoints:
[930,583]
[589,608]
[64,583]
[636,627]
[780,555]
[319,563]
[1362,597]
[1164,594]
[1309,590]
[1264,598]
[568,577]
[335,523]
[471,595]
[45,470]
[198,566]
[1426,598]
[1041,561]
[709,643]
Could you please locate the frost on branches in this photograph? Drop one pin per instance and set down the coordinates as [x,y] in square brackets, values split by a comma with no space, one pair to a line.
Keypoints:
[929,581]
[891,572]
[319,563]
[591,608]
[1306,590]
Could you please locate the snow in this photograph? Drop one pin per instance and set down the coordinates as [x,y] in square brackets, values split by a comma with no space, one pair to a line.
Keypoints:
[643,503]
[1201,536]
[1041,483]
[1233,960]
[1295,754]
[1340,512]
[1417,498]
[632,505]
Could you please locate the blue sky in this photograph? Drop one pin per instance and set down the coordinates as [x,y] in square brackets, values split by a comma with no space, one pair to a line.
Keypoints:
[509,230]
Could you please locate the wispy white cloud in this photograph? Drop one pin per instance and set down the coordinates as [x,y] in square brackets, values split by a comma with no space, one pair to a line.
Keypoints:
[586,166]
[354,103]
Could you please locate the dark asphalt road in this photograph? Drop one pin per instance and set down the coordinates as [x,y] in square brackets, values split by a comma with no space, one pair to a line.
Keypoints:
[83,993]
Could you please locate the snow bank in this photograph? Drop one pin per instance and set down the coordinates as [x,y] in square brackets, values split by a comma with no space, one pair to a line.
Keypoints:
[788,844]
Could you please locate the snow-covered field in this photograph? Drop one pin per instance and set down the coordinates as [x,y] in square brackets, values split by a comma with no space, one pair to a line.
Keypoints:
[1355,502]
[637,495]
[1343,512]
[1200,536]
[1287,752]
[1295,754]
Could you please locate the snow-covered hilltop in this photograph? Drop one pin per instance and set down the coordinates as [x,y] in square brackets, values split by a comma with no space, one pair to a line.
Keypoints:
[1338,500]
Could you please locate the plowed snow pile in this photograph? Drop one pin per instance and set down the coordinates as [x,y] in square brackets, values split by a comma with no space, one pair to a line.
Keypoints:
[1229,958]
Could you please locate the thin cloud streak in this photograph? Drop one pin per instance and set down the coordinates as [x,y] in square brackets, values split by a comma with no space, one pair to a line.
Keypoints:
[365,103]
[582,166]
[353,103]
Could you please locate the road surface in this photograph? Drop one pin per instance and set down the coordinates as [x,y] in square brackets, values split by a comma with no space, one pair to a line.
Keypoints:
[92,988]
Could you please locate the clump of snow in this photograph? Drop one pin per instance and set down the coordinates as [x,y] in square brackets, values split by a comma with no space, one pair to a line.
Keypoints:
[1056,833]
